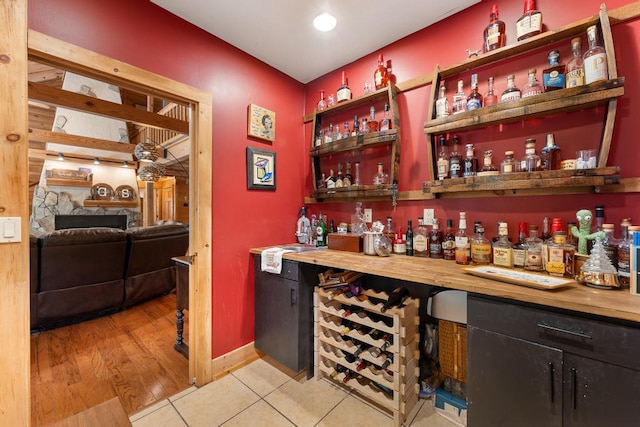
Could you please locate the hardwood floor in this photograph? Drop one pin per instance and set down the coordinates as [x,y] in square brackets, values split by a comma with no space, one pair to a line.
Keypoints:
[127,354]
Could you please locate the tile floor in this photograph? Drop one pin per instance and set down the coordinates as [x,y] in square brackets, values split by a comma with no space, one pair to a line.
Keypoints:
[261,395]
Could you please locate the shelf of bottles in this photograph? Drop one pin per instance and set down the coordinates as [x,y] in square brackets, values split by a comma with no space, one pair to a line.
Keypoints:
[598,93]
[374,353]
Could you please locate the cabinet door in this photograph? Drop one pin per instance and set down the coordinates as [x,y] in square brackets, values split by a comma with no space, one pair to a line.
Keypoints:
[512,382]
[599,394]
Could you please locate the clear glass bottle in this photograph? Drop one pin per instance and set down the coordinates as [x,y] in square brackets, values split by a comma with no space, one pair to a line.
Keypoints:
[503,248]
[530,23]
[474,100]
[487,164]
[380,74]
[435,240]
[385,123]
[575,66]
[533,250]
[449,242]
[345,131]
[328,134]
[442,103]
[364,125]
[494,33]
[372,123]
[331,101]
[509,165]
[443,160]
[571,239]
[322,103]
[595,58]
[358,224]
[356,178]
[610,244]
[553,77]
[533,86]
[551,155]
[480,248]
[491,97]
[459,99]
[336,133]
[511,92]
[343,93]
[381,177]
[470,162]
[624,253]
[455,160]
[421,240]
[560,256]
[463,248]
[519,247]
[531,161]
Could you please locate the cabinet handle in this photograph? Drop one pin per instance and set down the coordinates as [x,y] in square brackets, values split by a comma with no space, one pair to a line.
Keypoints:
[551,396]
[294,297]
[574,388]
[564,331]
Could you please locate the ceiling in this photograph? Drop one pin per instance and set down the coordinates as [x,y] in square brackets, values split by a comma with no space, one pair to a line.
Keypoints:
[280,32]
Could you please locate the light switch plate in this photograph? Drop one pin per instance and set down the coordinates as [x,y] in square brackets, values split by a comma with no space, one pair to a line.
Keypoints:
[10,229]
[368,215]
[427,216]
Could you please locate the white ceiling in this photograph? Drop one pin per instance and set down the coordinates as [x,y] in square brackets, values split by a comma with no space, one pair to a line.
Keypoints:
[281,34]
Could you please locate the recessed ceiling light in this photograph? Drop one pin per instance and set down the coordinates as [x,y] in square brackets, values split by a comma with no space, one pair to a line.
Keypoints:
[324,22]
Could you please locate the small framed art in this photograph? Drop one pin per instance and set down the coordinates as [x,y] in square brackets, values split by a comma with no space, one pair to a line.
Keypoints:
[261,169]
[261,123]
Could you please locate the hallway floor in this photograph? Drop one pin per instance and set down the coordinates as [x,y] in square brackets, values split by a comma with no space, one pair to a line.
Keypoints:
[261,395]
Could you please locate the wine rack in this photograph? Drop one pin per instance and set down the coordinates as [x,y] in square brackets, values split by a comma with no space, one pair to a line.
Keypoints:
[395,388]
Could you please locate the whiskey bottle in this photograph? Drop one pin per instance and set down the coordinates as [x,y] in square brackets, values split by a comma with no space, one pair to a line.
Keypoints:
[385,123]
[487,165]
[340,179]
[443,160]
[610,244]
[459,99]
[372,123]
[531,161]
[380,178]
[463,249]
[470,162]
[511,92]
[530,23]
[533,250]
[442,103]
[455,160]
[449,242]
[322,104]
[575,66]
[474,100]
[346,181]
[480,248]
[551,155]
[409,239]
[502,248]
[553,78]
[344,93]
[380,75]
[509,165]
[519,247]
[364,125]
[595,58]
[435,240]
[356,126]
[491,97]
[533,86]
[421,240]
[345,131]
[494,33]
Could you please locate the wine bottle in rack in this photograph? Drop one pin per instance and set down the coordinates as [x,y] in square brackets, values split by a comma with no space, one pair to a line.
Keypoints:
[360,349]
[386,390]
[338,370]
[387,362]
[351,309]
[337,292]
[377,351]
[396,298]
[363,364]
[348,375]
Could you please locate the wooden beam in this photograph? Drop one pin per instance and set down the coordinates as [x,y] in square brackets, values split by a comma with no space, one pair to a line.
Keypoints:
[75,101]
[79,141]
[82,158]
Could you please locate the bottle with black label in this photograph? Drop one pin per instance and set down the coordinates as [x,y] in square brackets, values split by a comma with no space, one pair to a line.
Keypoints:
[409,239]
[449,242]
[435,241]
[455,160]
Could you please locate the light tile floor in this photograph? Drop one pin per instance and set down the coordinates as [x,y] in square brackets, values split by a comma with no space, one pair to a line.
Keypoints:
[261,395]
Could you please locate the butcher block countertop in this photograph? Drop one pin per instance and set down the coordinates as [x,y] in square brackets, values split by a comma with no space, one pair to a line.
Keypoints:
[616,304]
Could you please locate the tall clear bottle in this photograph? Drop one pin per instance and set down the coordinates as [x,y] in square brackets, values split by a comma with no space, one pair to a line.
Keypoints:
[421,240]
[533,250]
[459,99]
[551,155]
[443,159]
[575,66]
[435,240]
[624,253]
[494,33]
[381,177]
[595,58]
[385,123]
[531,161]
[463,249]
[491,97]
[511,93]
[474,100]
[509,165]
[455,160]
[533,86]
[442,103]
[470,164]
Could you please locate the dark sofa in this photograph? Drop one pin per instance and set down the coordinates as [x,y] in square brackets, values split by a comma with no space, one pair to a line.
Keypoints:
[83,272]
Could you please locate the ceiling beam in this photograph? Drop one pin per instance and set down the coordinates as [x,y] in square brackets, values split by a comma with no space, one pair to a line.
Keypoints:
[40,135]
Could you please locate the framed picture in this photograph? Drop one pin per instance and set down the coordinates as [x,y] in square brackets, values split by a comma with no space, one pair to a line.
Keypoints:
[261,123]
[261,169]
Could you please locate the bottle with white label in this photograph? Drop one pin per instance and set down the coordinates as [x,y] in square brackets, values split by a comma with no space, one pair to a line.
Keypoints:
[344,93]
[595,58]
[442,103]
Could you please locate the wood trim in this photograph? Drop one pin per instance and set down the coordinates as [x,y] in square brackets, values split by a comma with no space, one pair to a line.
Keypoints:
[15,395]
[221,366]
[40,135]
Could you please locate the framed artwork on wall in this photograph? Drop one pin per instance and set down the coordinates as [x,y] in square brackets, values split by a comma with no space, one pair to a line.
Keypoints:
[261,123]
[261,169]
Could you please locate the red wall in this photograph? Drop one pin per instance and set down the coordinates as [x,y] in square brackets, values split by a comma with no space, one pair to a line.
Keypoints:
[146,36]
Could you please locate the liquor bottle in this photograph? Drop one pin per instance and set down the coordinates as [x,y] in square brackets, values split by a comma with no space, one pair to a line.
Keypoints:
[346,181]
[449,242]
[380,178]
[511,92]
[491,97]
[575,66]
[319,138]
[396,298]
[344,93]
[380,75]
[509,165]
[331,181]
[345,132]
[595,58]
[392,77]
[328,134]
[553,77]
[470,167]
[530,23]
[599,214]
[560,255]
[533,250]
[442,103]
[336,133]
[531,161]
[372,123]
[533,86]
[551,155]
[364,125]
[362,347]
[624,253]
[385,123]
[571,239]
[494,33]
[322,104]
[610,244]
[487,165]
[474,100]
[480,248]
[340,179]
[356,178]
[459,99]
[503,248]
[455,160]
[409,239]
[339,370]
[389,229]
[435,240]
[463,249]
[421,240]
[443,160]
[399,244]
[519,247]
[321,231]
[356,126]
[330,100]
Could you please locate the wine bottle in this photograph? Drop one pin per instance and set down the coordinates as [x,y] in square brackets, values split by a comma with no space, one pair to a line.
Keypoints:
[396,298]
[360,349]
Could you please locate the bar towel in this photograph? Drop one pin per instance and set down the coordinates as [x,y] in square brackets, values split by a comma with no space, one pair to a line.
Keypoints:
[272,259]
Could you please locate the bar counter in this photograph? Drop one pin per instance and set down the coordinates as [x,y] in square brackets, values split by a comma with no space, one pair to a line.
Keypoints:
[615,304]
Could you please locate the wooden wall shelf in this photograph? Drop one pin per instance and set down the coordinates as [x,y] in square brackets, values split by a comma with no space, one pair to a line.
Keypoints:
[355,143]
[111,203]
[69,182]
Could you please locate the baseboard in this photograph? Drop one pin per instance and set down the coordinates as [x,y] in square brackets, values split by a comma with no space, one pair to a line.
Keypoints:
[235,359]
